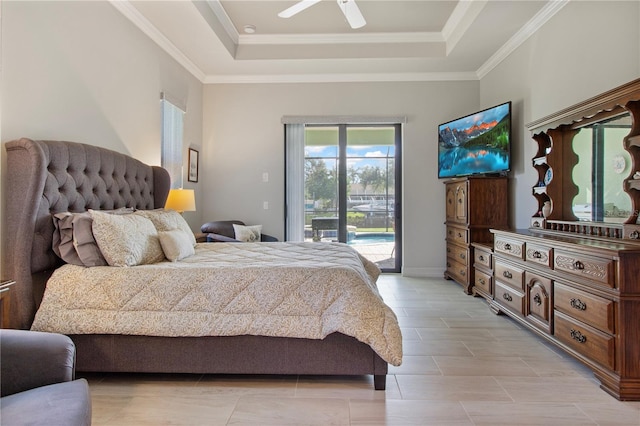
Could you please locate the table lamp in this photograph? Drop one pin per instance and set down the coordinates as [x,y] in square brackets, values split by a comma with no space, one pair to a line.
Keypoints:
[181,200]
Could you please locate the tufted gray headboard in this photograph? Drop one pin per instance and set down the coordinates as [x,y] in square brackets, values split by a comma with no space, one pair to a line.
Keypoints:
[48,177]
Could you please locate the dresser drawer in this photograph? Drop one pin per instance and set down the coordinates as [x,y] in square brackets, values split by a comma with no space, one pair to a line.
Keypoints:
[597,269]
[584,339]
[482,257]
[509,274]
[509,247]
[482,282]
[458,235]
[509,297]
[540,255]
[585,307]
[457,253]
[458,271]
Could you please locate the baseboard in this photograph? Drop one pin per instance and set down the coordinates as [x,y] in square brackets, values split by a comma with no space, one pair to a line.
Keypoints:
[423,272]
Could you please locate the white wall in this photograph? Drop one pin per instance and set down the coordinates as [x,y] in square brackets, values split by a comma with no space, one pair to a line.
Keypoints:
[243,137]
[80,71]
[587,48]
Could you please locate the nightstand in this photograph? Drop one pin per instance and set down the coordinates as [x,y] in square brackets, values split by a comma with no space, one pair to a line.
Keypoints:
[5,302]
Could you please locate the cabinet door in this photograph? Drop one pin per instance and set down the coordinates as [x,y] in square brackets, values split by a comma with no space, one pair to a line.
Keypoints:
[538,300]
[461,202]
[451,202]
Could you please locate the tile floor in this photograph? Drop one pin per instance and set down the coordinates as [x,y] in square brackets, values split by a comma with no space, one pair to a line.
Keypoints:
[462,365]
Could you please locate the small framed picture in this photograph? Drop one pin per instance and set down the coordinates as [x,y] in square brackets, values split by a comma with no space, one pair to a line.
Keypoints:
[193,166]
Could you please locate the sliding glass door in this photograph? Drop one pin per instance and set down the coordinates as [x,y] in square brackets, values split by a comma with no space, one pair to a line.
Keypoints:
[352,189]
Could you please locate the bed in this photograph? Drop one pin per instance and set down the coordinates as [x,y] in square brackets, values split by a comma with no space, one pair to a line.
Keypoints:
[355,334]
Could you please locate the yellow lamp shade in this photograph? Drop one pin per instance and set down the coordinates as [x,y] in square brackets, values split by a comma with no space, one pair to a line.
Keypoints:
[181,200]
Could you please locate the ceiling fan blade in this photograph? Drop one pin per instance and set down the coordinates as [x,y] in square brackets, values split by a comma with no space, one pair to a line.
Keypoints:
[352,13]
[297,8]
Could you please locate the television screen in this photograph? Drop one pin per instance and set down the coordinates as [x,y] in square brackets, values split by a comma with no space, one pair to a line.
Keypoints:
[478,143]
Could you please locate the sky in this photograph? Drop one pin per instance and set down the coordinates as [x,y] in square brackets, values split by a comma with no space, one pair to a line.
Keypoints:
[364,155]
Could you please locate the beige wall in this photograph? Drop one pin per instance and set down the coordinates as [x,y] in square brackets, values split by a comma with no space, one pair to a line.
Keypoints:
[243,137]
[584,50]
[80,71]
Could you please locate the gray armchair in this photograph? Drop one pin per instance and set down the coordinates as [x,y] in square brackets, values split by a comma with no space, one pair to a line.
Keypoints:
[222,231]
[38,386]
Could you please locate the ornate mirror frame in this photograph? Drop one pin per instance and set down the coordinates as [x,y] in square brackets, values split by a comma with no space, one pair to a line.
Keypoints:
[555,157]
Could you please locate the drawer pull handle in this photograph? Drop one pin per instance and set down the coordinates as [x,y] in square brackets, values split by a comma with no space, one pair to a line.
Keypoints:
[507,247]
[459,235]
[577,265]
[578,304]
[577,336]
[507,297]
[507,274]
[463,272]
[537,255]
[481,258]
[463,256]
[537,299]
[448,250]
[448,265]
[481,281]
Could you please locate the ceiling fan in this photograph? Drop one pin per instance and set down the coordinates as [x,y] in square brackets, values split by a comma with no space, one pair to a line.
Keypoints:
[348,7]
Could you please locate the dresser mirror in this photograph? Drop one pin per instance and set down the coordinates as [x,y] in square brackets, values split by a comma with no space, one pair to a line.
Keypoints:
[602,166]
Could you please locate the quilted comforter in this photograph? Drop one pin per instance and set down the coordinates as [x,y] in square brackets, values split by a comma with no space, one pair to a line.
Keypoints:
[303,290]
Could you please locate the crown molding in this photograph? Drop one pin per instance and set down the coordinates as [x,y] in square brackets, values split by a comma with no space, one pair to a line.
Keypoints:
[339,78]
[457,24]
[131,13]
[464,14]
[293,39]
[530,28]
[224,19]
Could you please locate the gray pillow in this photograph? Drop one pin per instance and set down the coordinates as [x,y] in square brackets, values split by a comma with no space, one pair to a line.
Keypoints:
[73,239]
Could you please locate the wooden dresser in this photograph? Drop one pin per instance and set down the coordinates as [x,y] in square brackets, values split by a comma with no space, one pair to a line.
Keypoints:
[473,206]
[582,294]
[5,303]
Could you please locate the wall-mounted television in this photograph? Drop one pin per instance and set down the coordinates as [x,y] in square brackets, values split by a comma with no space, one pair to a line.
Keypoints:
[476,144]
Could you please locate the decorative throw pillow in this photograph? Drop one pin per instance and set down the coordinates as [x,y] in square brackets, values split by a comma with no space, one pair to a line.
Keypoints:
[168,220]
[63,238]
[73,239]
[126,240]
[248,234]
[176,244]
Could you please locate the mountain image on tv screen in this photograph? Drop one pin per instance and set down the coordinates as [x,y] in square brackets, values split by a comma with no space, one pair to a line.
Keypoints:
[475,144]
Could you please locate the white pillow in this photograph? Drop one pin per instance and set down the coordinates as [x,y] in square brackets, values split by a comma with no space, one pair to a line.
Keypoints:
[176,244]
[168,220]
[248,234]
[126,240]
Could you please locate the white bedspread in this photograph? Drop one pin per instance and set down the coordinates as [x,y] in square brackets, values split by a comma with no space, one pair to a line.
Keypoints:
[304,290]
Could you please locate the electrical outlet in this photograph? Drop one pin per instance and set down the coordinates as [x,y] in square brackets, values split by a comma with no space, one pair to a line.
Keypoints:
[265,176]
[265,205]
